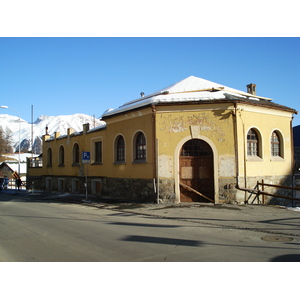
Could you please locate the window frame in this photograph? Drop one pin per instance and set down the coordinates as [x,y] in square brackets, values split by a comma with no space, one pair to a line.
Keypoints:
[76,154]
[280,146]
[140,148]
[94,155]
[120,150]
[49,157]
[98,152]
[61,156]
[254,146]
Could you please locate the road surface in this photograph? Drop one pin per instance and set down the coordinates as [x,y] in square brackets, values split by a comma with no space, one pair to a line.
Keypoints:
[50,231]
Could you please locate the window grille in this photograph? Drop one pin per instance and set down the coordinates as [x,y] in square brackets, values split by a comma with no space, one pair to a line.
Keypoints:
[252,143]
[120,149]
[98,152]
[140,146]
[195,148]
[275,144]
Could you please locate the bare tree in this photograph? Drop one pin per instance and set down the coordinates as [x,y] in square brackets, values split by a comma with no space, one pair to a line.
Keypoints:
[5,141]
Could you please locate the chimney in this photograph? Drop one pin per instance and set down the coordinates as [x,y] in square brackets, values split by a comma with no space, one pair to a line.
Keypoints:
[251,88]
[56,135]
[70,131]
[142,94]
[46,136]
[86,128]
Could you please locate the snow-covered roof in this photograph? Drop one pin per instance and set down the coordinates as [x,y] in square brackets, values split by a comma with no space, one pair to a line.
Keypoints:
[102,126]
[187,90]
[15,166]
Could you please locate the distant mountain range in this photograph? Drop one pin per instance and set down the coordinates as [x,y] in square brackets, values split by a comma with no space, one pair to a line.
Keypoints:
[58,124]
[54,124]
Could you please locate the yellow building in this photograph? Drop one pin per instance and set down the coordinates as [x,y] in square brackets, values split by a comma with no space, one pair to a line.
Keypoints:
[192,141]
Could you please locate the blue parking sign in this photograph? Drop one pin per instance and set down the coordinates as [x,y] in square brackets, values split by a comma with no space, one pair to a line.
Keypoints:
[86,157]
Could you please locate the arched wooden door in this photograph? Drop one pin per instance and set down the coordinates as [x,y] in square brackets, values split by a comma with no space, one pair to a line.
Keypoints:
[196,170]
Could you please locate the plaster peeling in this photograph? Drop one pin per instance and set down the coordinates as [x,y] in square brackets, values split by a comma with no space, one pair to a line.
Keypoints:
[226,166]
[165,167]
[202,121]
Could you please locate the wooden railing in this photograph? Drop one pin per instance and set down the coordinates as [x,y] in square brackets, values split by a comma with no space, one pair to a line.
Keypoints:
[262,191]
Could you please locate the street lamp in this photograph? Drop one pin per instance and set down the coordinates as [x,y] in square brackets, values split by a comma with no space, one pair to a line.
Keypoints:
[5,107]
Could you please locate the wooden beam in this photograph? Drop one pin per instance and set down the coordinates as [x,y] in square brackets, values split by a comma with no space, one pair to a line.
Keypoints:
[193,190]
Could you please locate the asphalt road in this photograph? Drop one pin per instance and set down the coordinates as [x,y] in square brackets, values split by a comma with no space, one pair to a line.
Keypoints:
[51,231]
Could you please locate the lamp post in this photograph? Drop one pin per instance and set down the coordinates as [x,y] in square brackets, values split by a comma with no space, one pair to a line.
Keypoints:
[5,107]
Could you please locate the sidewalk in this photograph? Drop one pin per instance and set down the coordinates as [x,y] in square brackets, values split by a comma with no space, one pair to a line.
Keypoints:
[268,219]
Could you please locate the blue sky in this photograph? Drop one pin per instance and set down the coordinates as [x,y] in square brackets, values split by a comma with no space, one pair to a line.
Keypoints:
[63,75]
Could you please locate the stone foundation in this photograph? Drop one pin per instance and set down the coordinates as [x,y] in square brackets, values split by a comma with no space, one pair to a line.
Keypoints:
[167,190]
[143,190]
[128,189]
[131,189]
[227,191]
[230,194]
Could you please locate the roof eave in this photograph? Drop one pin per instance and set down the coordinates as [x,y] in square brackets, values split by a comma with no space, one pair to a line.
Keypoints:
[267,104]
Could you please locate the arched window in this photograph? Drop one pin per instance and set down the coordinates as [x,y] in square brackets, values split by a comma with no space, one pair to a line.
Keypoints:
[61,156]
[253,146]
[276,149]
[75,154]
[196,148]
[140,147]
[49,157]
[120,149]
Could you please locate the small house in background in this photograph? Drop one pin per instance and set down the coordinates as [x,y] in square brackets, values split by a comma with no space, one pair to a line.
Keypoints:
[195,140]
[6,170]
[12,161]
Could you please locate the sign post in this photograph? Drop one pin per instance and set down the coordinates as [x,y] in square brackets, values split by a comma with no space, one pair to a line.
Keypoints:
[86,159]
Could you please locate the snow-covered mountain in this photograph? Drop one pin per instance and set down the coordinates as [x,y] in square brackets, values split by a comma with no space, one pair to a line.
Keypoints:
[54,123]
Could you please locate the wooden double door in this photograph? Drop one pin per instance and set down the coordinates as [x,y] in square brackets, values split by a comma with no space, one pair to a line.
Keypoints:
[196,170]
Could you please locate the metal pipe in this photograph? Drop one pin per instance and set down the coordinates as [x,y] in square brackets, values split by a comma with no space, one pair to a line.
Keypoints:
[157,174]
[155,154]
[236,144]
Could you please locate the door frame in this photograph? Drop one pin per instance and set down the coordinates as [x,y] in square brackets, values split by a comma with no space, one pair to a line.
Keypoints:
[215,163]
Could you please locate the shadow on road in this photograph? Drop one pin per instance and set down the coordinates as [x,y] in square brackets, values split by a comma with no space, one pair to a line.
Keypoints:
[160,240]
[144,225]
[286,258]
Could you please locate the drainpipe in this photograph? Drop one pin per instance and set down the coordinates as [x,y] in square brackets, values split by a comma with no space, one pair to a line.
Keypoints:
[245,158]
[237,153]
[155,154]
[236,146]
[292,158]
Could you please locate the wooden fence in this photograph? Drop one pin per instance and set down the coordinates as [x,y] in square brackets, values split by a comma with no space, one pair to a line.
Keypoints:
[257,191]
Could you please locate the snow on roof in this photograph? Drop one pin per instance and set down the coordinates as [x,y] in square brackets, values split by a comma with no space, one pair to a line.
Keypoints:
[189,89]
[102,126]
